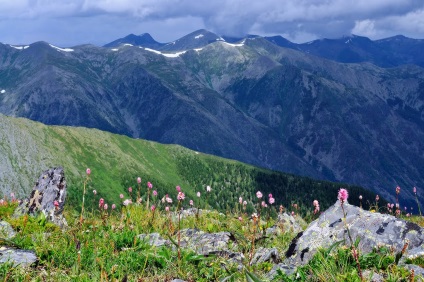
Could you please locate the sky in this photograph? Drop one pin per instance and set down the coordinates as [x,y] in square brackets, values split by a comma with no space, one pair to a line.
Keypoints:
[68,23]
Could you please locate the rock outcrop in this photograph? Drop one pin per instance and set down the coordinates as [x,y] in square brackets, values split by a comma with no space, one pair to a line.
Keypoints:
[16,256]
[50,189]
[372,229]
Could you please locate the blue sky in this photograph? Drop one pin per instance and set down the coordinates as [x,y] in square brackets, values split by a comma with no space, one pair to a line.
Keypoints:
[73,22]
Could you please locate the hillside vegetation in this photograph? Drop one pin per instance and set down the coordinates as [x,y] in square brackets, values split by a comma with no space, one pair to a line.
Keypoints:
[27,148]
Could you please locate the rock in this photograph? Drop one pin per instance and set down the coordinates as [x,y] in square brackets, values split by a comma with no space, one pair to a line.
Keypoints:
[418,271]
[265,254]
[154,239]
[178,280]
[210,244]
[204,243]
[17,257]
[50,187]
[373,229]
[285,223]
[6,230]
[287,269]
[372,276]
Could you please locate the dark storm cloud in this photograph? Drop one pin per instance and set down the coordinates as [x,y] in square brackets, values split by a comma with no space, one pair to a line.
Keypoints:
[100,21]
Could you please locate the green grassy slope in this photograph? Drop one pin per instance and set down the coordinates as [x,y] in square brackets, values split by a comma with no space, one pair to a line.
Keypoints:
[27,148]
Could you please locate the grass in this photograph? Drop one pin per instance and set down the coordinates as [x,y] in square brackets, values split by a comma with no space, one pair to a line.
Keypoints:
[106,247]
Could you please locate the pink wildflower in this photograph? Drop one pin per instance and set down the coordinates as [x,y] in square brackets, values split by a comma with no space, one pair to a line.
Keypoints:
[167,208]
[88,171]
[138,180]
[153,208]
[377,198]
[270,195]
[315,203]
[191,202]
[271,201]
[259,194]
[397,189]
[360,197]
[105,206]
[155,193]
[178,188]
[240,200]
[198,194]
[263,204]
[180,196]
[388,205]
[130,189]
[392,205]
[149,185]
[168,200]
[343,195]
[292,213]
[12,195]
[101,202]
[240,218]
[121,196]
[94,192]
[113,206]
[127,202]
[244,203]
[56,203]
[408,215]
[414,190]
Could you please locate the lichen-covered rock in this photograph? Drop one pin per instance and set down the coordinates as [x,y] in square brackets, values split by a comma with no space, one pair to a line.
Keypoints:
[17,257]
[6,230]
[372,276]
[373,230]
[285,223]
[154,239]
[50,187]
[219,244]
[204,243]
[418,271]
[265,254]
[287,269]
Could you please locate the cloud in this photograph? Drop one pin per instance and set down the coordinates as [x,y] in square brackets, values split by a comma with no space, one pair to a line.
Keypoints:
[296,19]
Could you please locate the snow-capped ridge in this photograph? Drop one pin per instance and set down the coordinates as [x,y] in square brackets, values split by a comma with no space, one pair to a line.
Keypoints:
[62,49]
[19,47]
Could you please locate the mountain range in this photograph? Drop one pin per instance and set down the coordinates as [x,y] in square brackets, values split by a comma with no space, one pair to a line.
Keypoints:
[315,112]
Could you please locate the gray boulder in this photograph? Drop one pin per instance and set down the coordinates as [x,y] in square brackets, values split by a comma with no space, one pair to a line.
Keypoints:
[6,230]
[287,269]
[265,254]
[373,229]
[17,257]
[50,187]
[204,243]
[154,239]
[285,223]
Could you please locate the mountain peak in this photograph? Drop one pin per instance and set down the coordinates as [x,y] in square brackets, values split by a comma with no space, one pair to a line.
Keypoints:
[144,39]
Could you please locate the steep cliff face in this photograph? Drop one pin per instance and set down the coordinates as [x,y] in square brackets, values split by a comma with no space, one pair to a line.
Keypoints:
[252,101]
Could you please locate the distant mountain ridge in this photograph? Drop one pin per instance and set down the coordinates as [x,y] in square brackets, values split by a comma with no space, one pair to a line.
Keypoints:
[249,100]
[389,52]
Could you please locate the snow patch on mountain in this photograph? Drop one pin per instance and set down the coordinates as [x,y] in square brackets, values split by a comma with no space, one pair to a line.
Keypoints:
[19,47]
[168,55]
[3,91]
[62,49]
[236,45]
[198,36]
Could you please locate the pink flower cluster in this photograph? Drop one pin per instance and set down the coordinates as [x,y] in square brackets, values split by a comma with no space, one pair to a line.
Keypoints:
[343,195]
[316,205]
[180,196]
